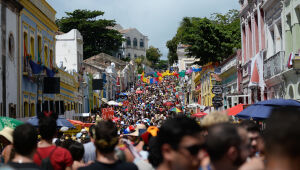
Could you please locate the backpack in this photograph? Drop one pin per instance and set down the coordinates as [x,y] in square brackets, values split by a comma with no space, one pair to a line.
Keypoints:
[46,162]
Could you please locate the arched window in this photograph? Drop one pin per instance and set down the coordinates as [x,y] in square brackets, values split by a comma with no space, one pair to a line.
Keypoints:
[134,42]
[128,41]
[32,109]
[141,43]
[26,109]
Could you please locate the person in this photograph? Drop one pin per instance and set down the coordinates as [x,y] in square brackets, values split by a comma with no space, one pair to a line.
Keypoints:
[89,148]
[60,158]
[6,140]
[177,145]
[282,139]
[253,135]
[226,146]
[25,144]
[105,137]
[77,150]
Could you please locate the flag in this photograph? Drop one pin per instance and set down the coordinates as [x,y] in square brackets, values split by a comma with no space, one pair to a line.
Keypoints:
[290,61]
[159,74]
[155,74]
[151,80]
[175,74]
[182,73]
[142,76]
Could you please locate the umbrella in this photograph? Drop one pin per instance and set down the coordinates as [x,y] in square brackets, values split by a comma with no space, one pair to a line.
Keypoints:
[199,114]
[262,110]
[235,110]
[168,104]
[123,94]
[9,122]
[61,122]
[113,103]
[175,109]
[139,92]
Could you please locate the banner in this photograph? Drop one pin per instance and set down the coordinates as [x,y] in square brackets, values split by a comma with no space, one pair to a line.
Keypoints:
[107,113]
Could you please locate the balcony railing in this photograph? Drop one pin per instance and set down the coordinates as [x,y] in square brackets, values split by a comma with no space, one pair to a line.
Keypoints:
[274,65]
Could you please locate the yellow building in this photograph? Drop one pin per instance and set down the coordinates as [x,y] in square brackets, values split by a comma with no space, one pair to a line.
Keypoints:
[68,99]
[205,80]
[37,47]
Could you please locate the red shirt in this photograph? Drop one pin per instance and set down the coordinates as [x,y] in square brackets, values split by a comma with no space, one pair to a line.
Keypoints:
[60,158]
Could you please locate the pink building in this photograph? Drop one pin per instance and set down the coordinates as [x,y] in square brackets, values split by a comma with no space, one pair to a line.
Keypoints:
[253,50]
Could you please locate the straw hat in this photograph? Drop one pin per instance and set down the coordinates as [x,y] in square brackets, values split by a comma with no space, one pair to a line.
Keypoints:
[7,133]
[136,132]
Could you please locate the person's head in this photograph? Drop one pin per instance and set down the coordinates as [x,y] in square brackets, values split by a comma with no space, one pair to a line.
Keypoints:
[282,138]
[105,136]
[253,135]
[225,144]
[47,125]
[77,151]
[177,144]
[25,140]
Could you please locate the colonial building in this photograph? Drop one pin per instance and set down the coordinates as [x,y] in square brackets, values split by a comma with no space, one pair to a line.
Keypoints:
[274,61]
[253,49]
[185,62]
[230,82]
[69,50]
[291,34]
[135,45]
[37,54]
[9,59]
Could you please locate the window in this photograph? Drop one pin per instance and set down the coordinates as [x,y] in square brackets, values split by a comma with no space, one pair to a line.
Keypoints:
[32,109]
[135,56]
[46,56]
[26,109]
[134,42]
[273,41]
[291,92]
[128,41]
[11,46]
[39,49]
[32,48]
[128,55]
[141,43]
[51,59]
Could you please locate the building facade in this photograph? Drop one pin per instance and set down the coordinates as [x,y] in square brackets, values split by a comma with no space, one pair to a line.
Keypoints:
[135,44]
[185,62]
[291,34]
[9,50]
[37,54]
[69,50]
[253,49]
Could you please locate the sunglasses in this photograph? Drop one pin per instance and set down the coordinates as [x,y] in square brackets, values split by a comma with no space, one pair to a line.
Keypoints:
[194,149]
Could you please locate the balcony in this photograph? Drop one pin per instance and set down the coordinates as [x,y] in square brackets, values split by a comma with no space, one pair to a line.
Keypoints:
[274,65]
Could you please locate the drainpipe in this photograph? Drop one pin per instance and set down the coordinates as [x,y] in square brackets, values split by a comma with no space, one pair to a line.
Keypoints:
[3,32]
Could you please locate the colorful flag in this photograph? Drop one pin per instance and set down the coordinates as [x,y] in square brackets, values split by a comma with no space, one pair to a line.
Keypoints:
[290,61]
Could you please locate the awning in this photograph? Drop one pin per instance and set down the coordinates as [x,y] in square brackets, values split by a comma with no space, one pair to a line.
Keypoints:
[235,110]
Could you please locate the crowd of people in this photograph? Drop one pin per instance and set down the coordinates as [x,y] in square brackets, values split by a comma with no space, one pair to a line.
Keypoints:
[146,135]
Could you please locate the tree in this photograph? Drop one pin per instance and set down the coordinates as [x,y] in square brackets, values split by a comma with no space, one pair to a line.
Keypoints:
[172,54]
[153,55]
[161,64]
[210,40]
[97,36]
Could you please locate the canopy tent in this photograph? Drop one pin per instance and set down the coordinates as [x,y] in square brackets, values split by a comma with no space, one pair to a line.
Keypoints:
[263,109]
[9,122]
[235,110]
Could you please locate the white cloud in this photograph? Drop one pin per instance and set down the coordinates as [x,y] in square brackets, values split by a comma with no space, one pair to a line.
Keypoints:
[158,19]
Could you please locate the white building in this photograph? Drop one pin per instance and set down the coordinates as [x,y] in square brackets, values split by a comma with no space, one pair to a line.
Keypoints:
[69,50]
[135,45]
[9,60]
[184,61]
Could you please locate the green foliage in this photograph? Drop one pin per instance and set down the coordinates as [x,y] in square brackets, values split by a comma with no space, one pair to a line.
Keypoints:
[97,37]
[127,59]
[210,40]
[161,64]
[153,55]
[172,46]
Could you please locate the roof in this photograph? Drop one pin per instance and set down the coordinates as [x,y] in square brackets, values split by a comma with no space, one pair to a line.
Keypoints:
[125,30]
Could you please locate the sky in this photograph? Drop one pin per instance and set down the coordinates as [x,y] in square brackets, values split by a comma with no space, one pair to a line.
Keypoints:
[157,19]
